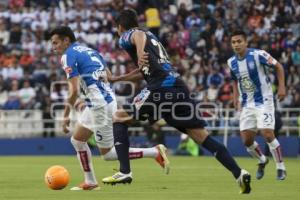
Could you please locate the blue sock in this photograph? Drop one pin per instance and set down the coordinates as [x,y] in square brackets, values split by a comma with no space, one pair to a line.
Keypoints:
[222,155]
[121,141]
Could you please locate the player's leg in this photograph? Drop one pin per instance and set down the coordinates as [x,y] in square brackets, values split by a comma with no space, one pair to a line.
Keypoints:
[123,152]
[266,123]
[79,140]
[121,139]
[275,150]
[248,125]
[200,136]
[187,119]
[253,148]
[106,135]
[158,152]
[120,150]
[123,117]
[84,156]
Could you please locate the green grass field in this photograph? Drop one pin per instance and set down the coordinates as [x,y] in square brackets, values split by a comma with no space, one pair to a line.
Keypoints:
[190,178]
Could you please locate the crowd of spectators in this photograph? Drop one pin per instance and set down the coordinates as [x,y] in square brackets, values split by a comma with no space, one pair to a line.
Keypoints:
[196,35]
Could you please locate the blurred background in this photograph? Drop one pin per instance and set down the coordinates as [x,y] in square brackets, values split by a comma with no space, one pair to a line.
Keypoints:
[195,34]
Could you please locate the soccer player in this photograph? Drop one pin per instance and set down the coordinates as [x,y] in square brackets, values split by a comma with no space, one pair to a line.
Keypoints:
[165,96]
[254,90]
[85,66]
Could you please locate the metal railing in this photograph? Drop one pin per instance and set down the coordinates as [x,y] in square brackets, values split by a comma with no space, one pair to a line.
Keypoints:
[30,123]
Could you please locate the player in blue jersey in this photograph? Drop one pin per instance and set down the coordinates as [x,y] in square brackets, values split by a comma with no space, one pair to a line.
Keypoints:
[165,96]
[254,96]
[84,66]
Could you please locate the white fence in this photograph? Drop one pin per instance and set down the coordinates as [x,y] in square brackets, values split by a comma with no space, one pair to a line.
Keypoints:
[30,123]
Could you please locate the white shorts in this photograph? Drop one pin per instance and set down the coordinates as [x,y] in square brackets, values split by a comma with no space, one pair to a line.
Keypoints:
[100,121]
[253,118]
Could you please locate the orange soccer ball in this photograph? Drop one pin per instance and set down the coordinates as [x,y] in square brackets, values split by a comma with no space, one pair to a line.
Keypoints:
[57,177]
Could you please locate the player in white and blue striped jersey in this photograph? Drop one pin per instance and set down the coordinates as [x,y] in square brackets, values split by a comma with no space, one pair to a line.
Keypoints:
[253,95]
[85,67]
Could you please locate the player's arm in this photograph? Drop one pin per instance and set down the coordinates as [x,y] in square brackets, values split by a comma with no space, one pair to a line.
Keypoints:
[235,89]
[69,65]
[72,97]
[73,94]
[281,93]
[134,75]
[236,94]
[266,59]
[138,38]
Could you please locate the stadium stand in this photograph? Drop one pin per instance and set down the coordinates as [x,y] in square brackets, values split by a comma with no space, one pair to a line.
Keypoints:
[196,34]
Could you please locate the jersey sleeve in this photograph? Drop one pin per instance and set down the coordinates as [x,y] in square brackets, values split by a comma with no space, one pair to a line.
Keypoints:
[233,76]
[125,40]
[266,59]
[69,65]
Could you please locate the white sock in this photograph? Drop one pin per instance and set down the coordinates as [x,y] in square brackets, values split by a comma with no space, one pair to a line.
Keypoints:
[254,150]
[134,153]
[84,156]
[275,149]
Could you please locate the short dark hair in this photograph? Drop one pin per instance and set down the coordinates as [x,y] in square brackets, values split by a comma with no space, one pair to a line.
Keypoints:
[239,32]
[63,32]
[127,19]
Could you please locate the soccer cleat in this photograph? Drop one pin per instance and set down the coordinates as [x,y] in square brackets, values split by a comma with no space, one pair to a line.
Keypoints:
[261,169]
[85,186]
[281,174]
[117,178]
[162,158]
[244,182]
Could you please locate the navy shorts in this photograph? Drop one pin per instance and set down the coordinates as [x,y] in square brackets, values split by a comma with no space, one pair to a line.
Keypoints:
[173,104]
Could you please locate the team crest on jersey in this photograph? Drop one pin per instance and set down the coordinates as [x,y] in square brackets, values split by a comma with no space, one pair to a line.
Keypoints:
[246,84]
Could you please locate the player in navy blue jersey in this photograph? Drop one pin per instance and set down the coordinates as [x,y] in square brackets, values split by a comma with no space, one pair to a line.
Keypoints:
[165,96]
[83,67]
